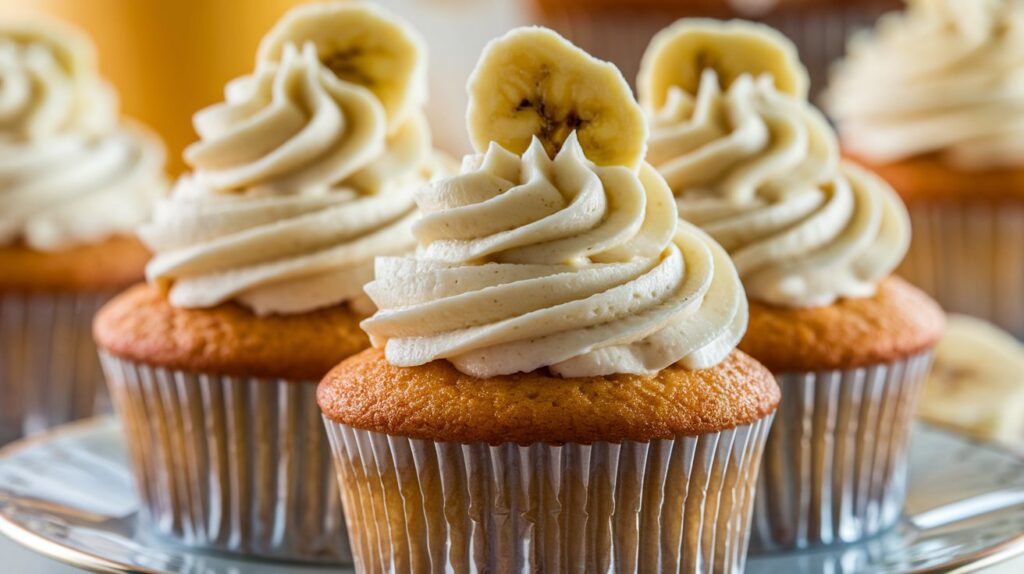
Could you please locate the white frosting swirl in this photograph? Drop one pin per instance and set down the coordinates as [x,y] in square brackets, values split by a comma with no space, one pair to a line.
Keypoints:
[69,174]
[946,76]
[296,187]
[759,170]
[528,262]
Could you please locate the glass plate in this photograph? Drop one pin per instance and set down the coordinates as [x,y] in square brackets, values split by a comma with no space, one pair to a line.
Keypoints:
[68,494]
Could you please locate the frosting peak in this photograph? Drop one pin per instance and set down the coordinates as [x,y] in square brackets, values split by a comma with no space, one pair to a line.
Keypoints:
[299,180]
[528,262]
[760,172]
[945,77]
[69,172]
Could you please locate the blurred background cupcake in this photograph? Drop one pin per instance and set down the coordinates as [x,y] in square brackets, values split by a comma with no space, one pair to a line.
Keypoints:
[555,385]
[75,181]
[299,178]
[932,100]
[814,240]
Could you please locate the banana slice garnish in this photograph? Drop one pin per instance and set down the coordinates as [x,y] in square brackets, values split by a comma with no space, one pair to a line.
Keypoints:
[977,381]
[532,82]
[362,44]
[679,54]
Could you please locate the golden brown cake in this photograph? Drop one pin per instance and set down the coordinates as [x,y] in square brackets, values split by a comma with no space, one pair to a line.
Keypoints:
[107,265]
[260,254]
[930,178]
[815,239]
[897,322]
[76,180]
[438,402]
[559,347]
[140,325]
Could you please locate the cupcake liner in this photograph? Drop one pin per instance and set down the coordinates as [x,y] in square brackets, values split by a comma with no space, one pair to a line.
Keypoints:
[232,464]
[835,465]
[679,505]
[49,373]
[969,256]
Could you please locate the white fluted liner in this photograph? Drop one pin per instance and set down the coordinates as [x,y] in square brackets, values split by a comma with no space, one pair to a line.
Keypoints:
[232,464]
[49,373]
[679,505]
[969,256]
[835,466]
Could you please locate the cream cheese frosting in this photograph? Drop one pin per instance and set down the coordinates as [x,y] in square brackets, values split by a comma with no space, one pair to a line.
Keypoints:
[298,181]
[943,77]
[70,172]
[760,172]
[528,262]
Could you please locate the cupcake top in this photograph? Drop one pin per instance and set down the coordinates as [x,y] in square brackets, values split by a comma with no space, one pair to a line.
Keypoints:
[305,172]
[944,77]
[71,172]
[556,246]
[757,167]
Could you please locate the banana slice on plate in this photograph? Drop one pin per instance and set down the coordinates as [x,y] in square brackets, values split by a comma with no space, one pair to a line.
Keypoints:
[533,83]
[977,382]
[363,44]
[679,54]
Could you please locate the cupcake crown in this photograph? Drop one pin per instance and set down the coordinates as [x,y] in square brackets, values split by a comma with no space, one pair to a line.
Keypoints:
[303,174]
[758,168]
[529,260]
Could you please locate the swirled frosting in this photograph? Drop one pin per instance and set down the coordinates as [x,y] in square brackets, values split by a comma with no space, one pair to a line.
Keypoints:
[298,182]
[945,77]
[759,171]
[70,173]
[527,262]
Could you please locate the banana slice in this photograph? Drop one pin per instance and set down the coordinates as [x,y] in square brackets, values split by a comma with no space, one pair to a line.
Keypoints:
[679,54]
[532,82]
[362,44]
[977,382]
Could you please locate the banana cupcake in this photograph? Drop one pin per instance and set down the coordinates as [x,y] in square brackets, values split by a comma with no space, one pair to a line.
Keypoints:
[554,384]
[75,180]
[931,100]
[814,240]
[299,178]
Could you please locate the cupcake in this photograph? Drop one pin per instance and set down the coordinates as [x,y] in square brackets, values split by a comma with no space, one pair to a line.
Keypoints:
[75,180]
[814,240]
[930,101]
[554,384]
[299,178]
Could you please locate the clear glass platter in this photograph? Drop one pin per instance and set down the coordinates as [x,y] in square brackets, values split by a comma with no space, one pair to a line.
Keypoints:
[68,495]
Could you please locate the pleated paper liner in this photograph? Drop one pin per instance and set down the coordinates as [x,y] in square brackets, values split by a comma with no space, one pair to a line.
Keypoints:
[969,256]
[680,505]
[835,465]
[231,464]
[49,373]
